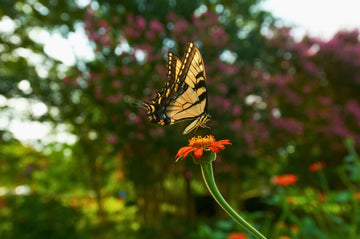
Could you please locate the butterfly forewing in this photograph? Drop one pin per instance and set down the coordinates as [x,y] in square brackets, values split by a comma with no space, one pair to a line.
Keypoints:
[173,67]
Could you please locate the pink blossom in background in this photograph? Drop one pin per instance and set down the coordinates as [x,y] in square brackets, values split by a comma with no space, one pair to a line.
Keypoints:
[172,17]
[259,130]
[249,138]
[207,19]
[223,88]
[226,169]
[150,35]
[188,174]
[311,68]
[302,48]
[180,26]
[290,125]
[112,139]
[324,100]
[94,36]
[336,125]
[226,68]
[106,41]
[156,132]
[236,124]
[98,92]
[236,110]
[130,19]
[115,98]
[116,84]
[104,24]
[140,22]
[292,96]
[111,99]
[223,103]
[140,136]
[281,80]
[131,32]
[94,77]
[114,118]
[70,81]
[126,71]
[219,36]
[136,120]
[344,47]
[160,70]
[317,113]
[341,130]
[146,47]
[307,89]
[113,71]
[227,104]
[353,107]
[127,113]
[156,26]
[357,79]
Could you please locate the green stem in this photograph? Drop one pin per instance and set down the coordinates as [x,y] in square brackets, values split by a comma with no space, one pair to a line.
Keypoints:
[207,172]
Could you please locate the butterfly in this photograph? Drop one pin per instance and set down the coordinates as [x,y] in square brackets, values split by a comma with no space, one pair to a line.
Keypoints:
[184,96]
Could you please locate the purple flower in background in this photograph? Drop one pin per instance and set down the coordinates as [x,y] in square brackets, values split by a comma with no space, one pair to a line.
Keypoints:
[236,124]
[353,107]
[311,68]
[126,71]
[98,92]
[116,84]
[324,100]
[236,110]
[158,131]
[156,26]
[307,89]
[150,35]
[219,36]
[112,139]
[140,22]
[131,32]
[188,174]
[290,125]
[180,26]
[70,81]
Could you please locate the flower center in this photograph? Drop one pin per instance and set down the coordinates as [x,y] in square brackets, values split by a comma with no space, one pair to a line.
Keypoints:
[200,142]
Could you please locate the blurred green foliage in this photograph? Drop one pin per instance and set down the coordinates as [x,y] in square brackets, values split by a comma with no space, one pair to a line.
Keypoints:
[284,104]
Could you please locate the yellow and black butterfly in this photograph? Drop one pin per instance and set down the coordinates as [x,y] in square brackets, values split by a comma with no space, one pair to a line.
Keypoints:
[184,96]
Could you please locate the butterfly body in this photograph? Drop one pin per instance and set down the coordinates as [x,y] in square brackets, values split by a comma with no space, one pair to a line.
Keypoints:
[184,96]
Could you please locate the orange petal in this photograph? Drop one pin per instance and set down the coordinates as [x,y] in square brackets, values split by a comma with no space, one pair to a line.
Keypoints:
[213,148]
[220,146]
[182,150]
[224,141]
[188,151]
[198,152]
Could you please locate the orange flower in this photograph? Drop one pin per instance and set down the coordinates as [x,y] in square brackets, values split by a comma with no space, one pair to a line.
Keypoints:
[237,235]
[290,200]
[318,165]
[284,237]
[285,179]
[356,196]
[198,144]
[321,197]
[294,228]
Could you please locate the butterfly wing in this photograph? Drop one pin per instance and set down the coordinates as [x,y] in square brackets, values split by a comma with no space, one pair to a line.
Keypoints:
[184,96]
[194,99]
